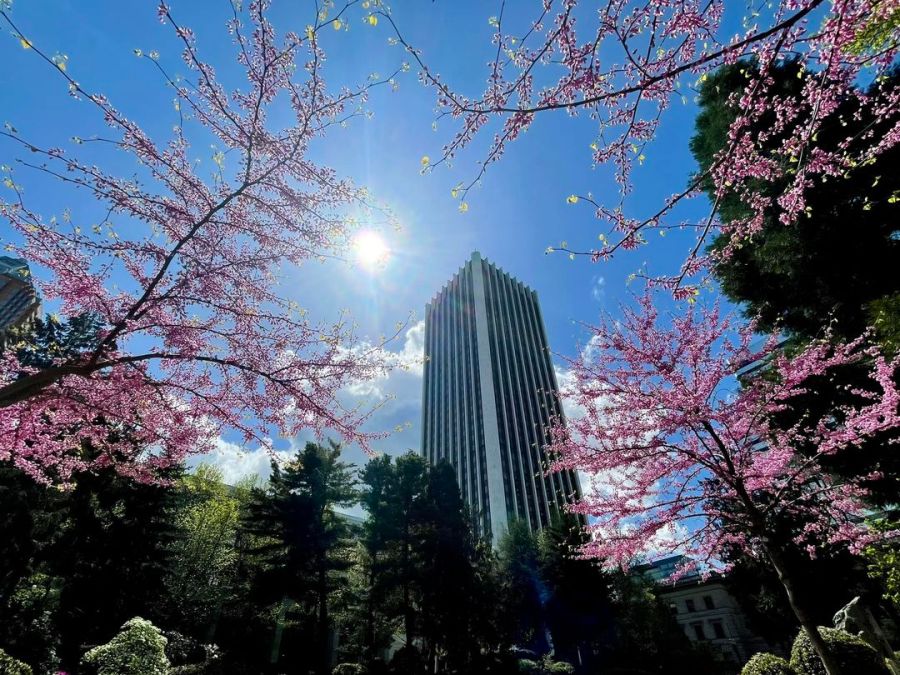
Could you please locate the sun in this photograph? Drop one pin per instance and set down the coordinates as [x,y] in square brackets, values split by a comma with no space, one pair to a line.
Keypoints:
[372,252]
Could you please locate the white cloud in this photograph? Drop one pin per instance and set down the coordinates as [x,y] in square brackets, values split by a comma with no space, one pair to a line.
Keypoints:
[413,353]
[236,463]
[598,289]
[408,361]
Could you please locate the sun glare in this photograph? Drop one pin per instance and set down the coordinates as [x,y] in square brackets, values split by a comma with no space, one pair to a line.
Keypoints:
[372,252]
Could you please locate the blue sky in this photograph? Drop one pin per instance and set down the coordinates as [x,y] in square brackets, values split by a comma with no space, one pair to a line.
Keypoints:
[514,215]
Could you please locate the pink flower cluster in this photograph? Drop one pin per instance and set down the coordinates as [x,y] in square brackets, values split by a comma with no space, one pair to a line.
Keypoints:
[624,63]
[685,457]
[185,271]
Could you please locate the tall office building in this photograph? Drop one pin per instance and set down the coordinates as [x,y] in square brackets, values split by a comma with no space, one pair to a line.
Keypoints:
[19,303]
[490,394]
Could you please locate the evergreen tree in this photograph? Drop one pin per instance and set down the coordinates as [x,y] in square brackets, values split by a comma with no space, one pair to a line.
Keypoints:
[836,267]
[111,556]
[579,606]
[831,271]
[303,550]
[371,623]
[525,592]
[448,579]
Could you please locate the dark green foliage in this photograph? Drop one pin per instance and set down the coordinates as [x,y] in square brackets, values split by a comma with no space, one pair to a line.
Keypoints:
[28,596]
[578,605]
[524,588]
[103,516]
[647,638]
[407,661]
[25,527]
[348,669]
[44,341]
[11,666]
[831,272]
[423,574]
[761,595]
[836,266]
[545,666]
[302,552]
[767,664]
[852,653]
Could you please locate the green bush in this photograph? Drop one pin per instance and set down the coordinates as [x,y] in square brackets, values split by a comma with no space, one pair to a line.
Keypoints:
[138,649]
[767,664]
[852,653]
[545,667]
[347,669]
[11,666]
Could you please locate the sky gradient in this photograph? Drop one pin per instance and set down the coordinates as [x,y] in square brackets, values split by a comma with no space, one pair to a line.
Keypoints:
[517,211]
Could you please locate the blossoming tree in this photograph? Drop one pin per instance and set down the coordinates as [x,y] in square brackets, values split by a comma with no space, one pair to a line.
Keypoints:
[624,63]
[183,272]
[687,459]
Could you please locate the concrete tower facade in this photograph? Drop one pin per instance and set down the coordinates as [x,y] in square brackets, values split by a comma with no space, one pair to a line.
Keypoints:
[489,396]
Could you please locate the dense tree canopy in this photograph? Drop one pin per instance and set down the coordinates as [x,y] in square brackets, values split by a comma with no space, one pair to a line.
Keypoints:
[835,266]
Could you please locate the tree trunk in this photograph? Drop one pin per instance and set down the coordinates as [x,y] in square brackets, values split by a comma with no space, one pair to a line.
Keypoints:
[324,633]
[369,636]
[809,626]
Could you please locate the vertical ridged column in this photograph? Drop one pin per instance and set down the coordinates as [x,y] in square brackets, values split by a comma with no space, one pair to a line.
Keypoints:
[494,462]
[427,376]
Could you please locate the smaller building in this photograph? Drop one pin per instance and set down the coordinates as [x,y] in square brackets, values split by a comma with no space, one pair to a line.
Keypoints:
[704,609]
[19,302]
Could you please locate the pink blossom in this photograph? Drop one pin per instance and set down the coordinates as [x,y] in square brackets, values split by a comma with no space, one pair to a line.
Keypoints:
[678,444]
[198,338]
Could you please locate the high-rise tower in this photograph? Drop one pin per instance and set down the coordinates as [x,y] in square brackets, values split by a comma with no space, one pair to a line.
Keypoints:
[19,302]
[490,394]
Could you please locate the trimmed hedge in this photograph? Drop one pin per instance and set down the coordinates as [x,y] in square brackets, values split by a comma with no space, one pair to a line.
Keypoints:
[11,666]
[765,663]
[138,649]
[853,654]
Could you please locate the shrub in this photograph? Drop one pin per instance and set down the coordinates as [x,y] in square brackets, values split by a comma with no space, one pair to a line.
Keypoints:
[852,653]
[347,669]
[181,649]
[11,666]
[767,664]
[138,649]
[545,667]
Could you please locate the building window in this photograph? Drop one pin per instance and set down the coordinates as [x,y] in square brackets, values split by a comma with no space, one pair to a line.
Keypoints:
[718,630]
[708,601]
[698,630]
[690,605]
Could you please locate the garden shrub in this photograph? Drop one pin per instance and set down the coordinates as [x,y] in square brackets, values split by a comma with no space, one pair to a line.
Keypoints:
[138,649]
[11,666]
[181,649]
[545,667]
[853,654]
[765,663]
[558,668]
[348,669]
